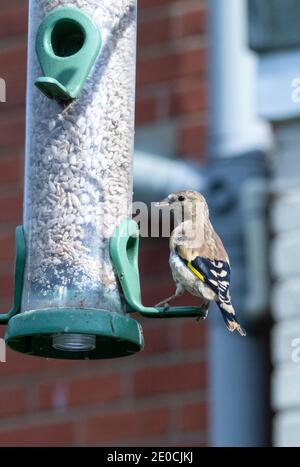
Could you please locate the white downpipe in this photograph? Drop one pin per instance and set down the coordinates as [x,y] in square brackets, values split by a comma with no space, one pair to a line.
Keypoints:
[238,375]
[235,127]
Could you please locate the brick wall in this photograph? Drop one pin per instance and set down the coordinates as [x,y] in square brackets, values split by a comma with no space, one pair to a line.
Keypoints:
[158,397]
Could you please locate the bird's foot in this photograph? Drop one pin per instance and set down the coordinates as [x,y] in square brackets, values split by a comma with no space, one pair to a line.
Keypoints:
[201,317]
[205,308]
[162,304]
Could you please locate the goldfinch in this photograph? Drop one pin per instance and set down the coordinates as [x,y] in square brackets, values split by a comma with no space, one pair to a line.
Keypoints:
[198,259]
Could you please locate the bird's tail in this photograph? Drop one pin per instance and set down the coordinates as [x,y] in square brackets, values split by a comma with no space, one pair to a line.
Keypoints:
[229,317]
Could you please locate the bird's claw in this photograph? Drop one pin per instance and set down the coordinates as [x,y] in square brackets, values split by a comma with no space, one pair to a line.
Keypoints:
[205,309]
[160,304]
[165,305]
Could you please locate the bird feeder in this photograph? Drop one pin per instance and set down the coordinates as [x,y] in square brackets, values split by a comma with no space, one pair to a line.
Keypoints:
[76,273]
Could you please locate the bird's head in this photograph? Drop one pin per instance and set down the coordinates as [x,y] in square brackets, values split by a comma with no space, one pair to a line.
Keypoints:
[186,205]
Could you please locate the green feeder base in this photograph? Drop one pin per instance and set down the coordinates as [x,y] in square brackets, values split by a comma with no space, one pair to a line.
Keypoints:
[67,333]
[89,334]
[82,334]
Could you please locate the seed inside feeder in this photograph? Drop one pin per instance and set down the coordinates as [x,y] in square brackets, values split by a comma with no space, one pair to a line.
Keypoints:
[78,185]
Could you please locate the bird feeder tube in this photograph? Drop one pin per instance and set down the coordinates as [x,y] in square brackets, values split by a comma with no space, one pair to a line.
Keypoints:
[76,276]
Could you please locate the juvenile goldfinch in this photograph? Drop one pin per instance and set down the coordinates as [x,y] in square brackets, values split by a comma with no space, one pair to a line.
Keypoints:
[198,259]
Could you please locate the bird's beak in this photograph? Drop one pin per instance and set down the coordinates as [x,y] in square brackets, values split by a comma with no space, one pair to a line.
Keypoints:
[162,204]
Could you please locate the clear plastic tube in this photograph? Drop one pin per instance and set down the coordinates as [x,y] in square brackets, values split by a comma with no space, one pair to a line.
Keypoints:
[78,171]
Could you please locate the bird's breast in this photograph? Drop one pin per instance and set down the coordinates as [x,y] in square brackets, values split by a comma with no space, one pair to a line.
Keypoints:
[182,274]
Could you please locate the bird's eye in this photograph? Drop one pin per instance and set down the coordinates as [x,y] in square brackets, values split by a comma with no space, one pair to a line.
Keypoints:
[181,198]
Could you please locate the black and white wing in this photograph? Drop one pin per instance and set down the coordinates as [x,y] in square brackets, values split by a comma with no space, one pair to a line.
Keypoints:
[215,274]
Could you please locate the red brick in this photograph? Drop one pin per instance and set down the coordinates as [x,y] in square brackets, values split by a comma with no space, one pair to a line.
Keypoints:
[17,363]
[192,441]
[15,92]
[154,3]
[162,287]
[157,338]
[84,391]
[13,151]
[154,31]
[192,22]
[11,208]
[154,259]
[188,99]
[7,249]
[193,141]
[59,434]
[145,110]
[6,289]
[9,4]
[12,401]
[122,426]
[13,60]
[13,71]
[193,335]
[169,67]
[169,379]
[13,22]
[154,292]
[12,131]
[193,416]
[11,170]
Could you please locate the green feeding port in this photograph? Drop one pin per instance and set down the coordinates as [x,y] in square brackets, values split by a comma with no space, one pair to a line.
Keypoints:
[67,45]
[67,38]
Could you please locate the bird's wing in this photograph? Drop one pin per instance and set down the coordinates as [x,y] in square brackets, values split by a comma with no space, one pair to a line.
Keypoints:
[215,274]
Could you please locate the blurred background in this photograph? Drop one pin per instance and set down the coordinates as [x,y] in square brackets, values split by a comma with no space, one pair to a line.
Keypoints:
[217,110]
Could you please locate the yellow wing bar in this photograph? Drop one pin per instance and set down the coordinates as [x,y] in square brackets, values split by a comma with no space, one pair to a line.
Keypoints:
[195,271]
